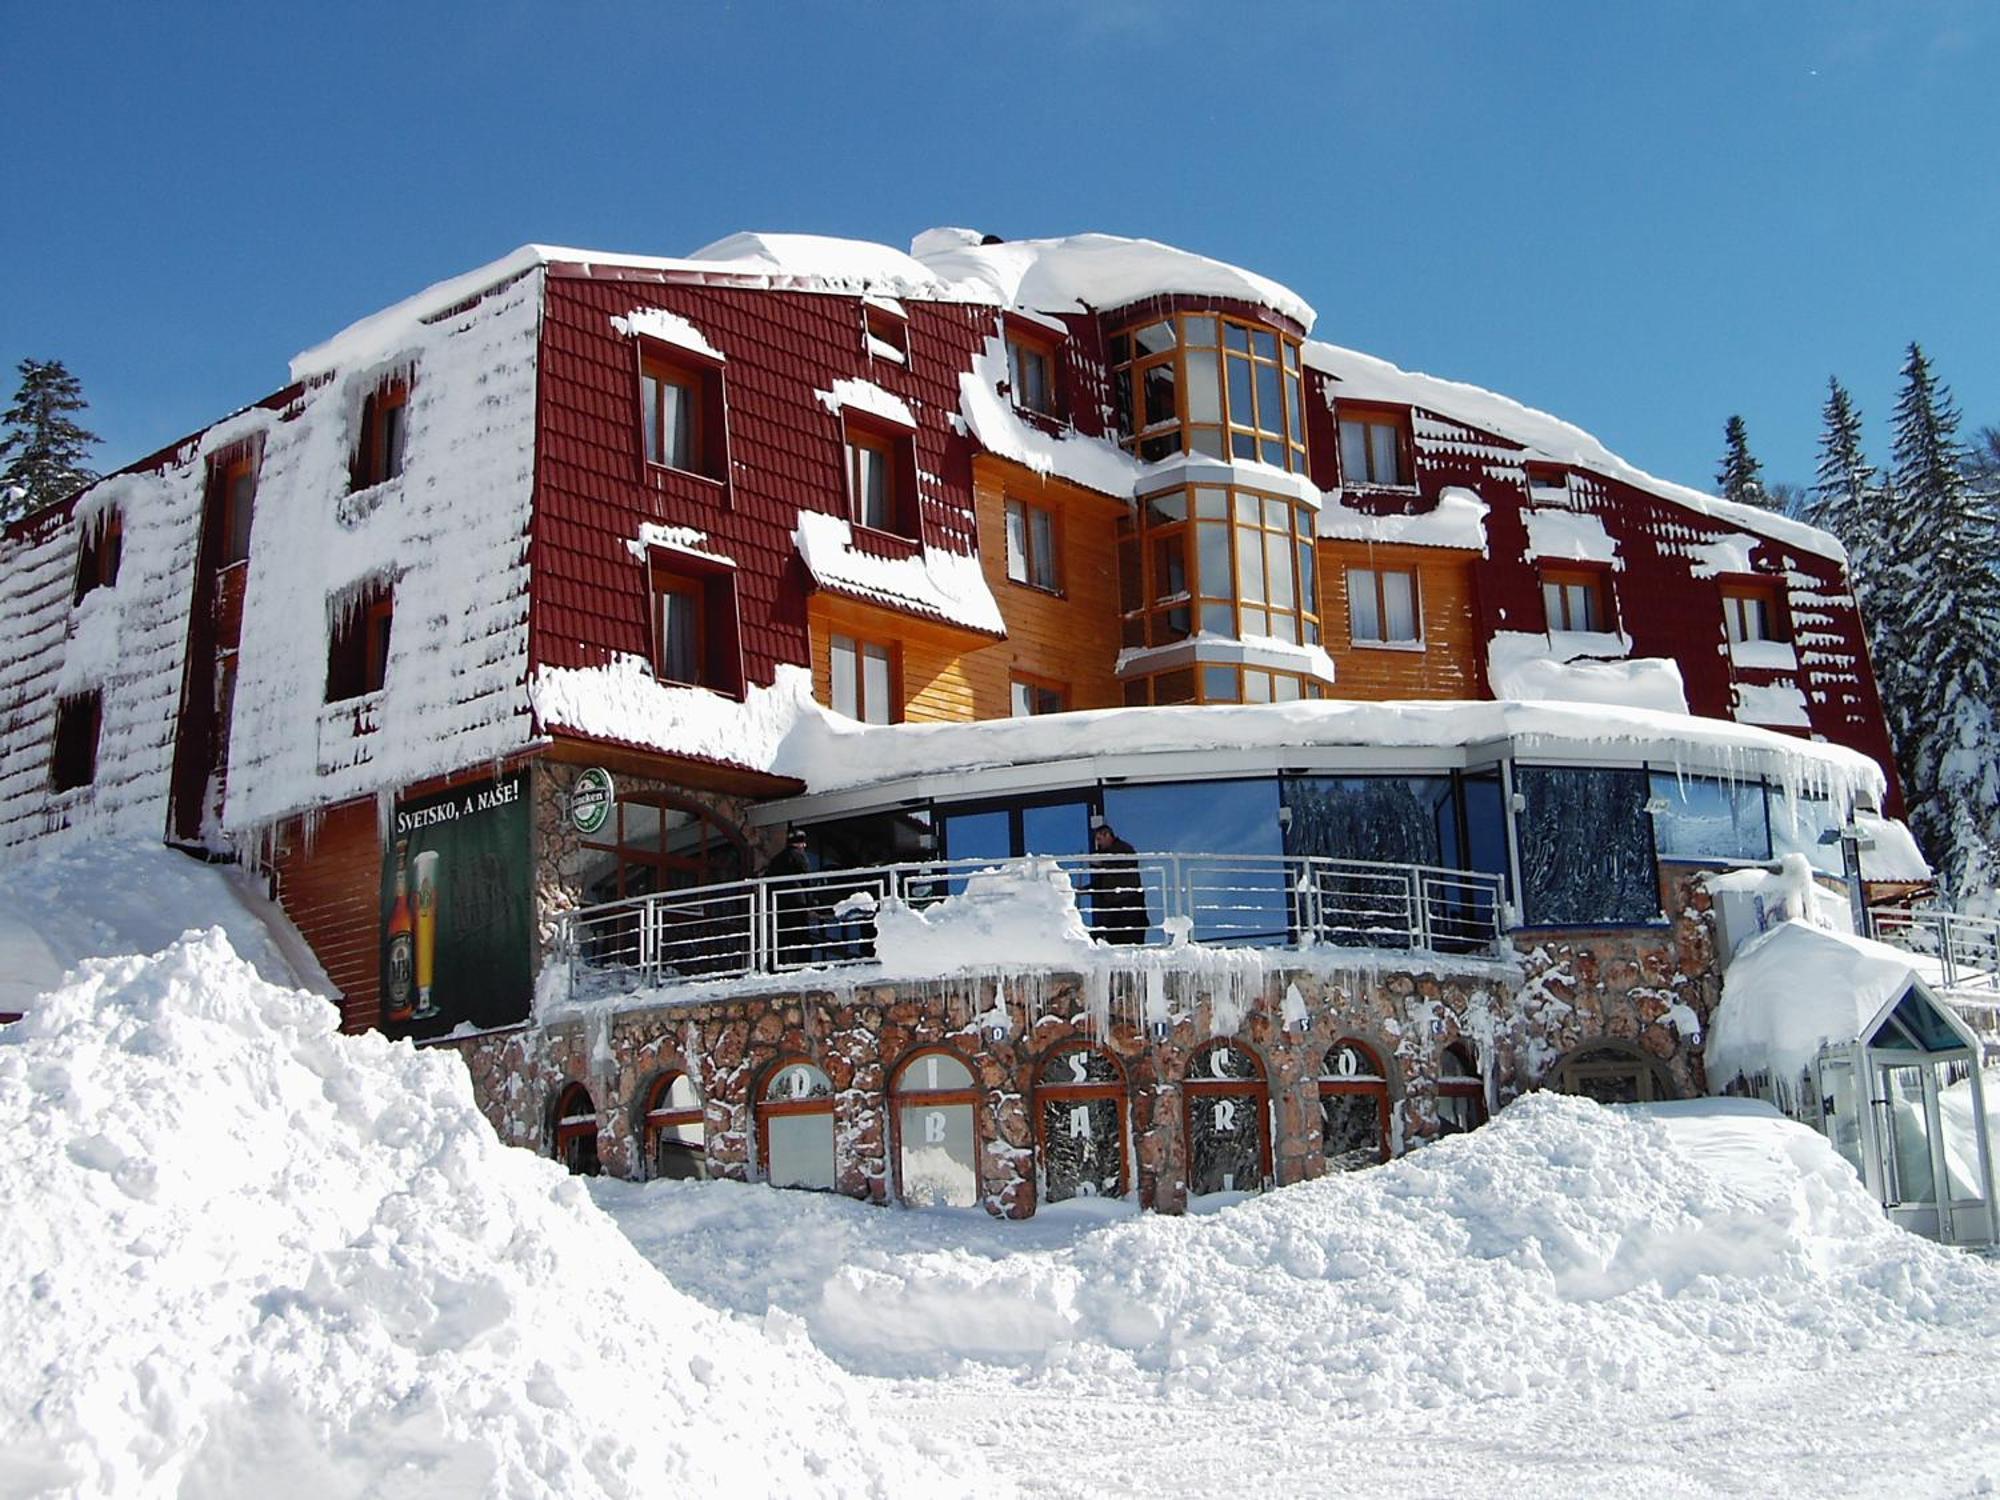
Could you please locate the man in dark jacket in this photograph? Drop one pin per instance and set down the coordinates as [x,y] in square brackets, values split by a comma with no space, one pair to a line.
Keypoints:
[1117,898]
[791,902]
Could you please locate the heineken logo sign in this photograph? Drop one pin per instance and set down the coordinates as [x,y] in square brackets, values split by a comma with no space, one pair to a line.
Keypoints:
[590,800]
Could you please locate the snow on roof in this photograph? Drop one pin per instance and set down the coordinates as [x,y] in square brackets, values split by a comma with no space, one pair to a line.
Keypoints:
[1794,989]
[1457,520]
[668,328]
[998,427]
[1888,851]
[1091,272]
[1365,377]
[858,265]
[829,752]
[867,397]
[949,586]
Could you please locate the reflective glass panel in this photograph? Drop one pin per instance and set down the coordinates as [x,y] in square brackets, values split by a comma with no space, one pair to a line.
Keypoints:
[940,1159]
[1351,1130]
[1700,818]
[1586,846]
[1083,1152]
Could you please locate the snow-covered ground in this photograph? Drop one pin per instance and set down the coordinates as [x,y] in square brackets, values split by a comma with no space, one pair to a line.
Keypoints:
[1687,1300]
[250,1255]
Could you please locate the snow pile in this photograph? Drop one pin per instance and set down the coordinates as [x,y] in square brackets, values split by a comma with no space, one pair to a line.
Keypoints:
[108,897]
[1534,667]
[945,585]
[248,1255]
[626,702]
[998,427]
[1566,1251]
[1020,914]
[668,328]
[1888,850]
[1794,989]
[1457,520]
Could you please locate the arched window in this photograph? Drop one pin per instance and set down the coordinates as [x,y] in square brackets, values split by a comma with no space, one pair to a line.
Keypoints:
[1461,1092]
[1080,1124]
[937,1133]
[656,842]
[1613,1073]
[1353,1107]
[675,1134]
[576,1131]
[795,1126]
[1226,1099]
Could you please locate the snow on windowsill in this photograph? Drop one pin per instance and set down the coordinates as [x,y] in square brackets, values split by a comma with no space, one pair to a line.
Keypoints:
[1208,648]
[1779,703]
[683,539]
[667,328]
[1569,536]
[1776,656]
[949,586]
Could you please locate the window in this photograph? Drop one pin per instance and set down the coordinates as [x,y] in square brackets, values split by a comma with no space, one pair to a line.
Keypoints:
[357,653]
[1374,449]
[1031,376]
[1612,1073]
[1198,383]
[1031,546]
[1574,600]
[378,455]
[934,1103]
[1586,846]
[675,1135]
[102,549]
[677,621]
[669,402]
[1225,562]
[576,1131]
[885,332]
[1032,696]
[1750,613]
[881,480]
[695,638]
[1461,1092]
[1226,1099]
[656,842]
[1382,607]
[236,483]
[795,1126]
[864,680]
[1080,1125]
[1353,1107]
[73,762]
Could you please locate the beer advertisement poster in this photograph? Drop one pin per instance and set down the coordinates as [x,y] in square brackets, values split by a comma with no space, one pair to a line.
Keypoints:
[457,910]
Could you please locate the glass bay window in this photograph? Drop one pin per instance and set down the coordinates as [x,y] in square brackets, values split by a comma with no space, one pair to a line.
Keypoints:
[1211,385]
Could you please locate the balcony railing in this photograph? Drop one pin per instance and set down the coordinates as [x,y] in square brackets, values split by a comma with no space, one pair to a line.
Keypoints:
[1967,949]
[776,924]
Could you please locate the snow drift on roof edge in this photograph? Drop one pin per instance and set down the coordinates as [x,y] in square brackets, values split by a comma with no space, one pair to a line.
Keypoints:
[260,1255]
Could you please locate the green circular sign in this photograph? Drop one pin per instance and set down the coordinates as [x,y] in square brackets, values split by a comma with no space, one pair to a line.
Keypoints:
[590,800]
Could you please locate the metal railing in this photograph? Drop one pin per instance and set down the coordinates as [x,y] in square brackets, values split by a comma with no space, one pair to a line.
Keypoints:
[1967,949]
[774,924]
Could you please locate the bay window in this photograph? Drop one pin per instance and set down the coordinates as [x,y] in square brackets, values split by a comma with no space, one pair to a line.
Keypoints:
[1220,561]
[1211,385]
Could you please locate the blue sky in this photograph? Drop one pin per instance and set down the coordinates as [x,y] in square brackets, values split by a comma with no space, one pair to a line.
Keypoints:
[1639,217]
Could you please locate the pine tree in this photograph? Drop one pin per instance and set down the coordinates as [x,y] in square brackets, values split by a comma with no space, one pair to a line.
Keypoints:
[1846,491]
[1741,477]
[44,450]
[1939,538]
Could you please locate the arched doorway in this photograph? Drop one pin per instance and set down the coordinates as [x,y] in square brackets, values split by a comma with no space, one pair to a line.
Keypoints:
[674,1133]
[576,1131]
[1227,1101]
[933,1099]
[1613,1073]
[1080,1124]
[1353,1107]
[1461,1092]
[795,1126]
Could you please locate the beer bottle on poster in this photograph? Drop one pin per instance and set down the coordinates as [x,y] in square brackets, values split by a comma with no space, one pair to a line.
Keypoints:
[400,978]
[425,867]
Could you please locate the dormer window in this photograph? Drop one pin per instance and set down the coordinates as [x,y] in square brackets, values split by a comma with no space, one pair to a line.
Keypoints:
[98,558]
[1750,612]
[378,454]
[357,652]
[1031,375]
[1574,599]
[886,332]
[1218,386]
[681,413]
[1374,449]
[881,479]
[233,497]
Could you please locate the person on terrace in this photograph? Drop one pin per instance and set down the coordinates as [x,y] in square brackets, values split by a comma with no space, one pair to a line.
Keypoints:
[1117,897]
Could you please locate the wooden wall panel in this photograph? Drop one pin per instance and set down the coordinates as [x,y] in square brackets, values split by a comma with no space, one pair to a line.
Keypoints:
[330,886]
[935,684]
[1449,666]
[1071,637]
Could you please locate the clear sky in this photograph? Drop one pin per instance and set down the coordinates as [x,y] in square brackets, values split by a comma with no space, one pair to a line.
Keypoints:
[1639,217]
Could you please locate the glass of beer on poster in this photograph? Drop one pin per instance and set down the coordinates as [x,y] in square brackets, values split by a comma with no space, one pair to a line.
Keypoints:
[424,869]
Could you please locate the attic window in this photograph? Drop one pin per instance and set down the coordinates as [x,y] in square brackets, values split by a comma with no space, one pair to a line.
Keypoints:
[378,454]
[74,760]
[98,558]
[881,478]
[1374,448]
[233,495]
[357,654]
[886,333]
[1031,374]
[695,638]
[1574,599]
[1751,612]
[1217,386]
[681,413]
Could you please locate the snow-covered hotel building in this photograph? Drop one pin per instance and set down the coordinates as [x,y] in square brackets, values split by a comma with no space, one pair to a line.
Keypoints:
[511,637]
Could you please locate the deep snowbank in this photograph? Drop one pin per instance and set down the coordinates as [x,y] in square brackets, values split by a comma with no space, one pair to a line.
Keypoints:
[248,1255]
[1562,1250]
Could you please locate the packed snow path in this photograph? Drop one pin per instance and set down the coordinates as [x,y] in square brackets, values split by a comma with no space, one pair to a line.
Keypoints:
[1692,1300]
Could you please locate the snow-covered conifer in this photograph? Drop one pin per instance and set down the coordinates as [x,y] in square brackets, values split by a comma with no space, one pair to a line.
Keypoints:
[1741,477]
[44,450]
